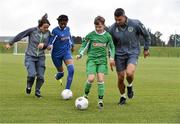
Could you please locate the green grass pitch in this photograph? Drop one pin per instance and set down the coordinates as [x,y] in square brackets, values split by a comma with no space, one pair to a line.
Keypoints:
[156,85]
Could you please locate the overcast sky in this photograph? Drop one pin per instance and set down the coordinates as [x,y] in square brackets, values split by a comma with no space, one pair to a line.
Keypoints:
[158,15]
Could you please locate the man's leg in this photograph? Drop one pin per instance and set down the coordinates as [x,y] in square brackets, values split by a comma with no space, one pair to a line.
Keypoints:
[131,67]
[121,87]
[121,63]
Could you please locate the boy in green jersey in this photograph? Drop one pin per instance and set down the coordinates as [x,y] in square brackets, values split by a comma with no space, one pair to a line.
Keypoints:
[96,44]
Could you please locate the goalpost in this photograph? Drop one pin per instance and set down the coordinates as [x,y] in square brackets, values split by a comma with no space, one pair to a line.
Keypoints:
[19,48]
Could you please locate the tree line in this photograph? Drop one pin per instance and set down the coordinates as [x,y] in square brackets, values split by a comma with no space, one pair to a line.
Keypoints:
[173,41]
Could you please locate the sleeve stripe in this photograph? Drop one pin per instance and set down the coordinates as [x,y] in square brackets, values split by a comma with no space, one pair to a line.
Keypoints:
[54,39]
[87,45]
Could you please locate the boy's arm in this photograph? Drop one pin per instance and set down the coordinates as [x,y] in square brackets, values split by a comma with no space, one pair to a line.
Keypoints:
[84,47]
[111,52]
[111,48]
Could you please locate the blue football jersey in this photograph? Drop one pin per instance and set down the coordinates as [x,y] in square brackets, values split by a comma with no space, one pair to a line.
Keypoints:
[61,40]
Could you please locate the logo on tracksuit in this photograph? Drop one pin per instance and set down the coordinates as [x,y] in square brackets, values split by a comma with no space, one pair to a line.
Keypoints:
[130,29]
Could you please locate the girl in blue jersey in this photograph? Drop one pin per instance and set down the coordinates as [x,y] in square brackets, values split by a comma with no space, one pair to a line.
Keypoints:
[61,43]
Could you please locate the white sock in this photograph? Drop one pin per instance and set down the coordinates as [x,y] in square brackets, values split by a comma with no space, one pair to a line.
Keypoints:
[130,85]
[123,95]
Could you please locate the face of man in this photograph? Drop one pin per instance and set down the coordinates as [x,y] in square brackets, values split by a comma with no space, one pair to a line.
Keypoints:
[120,20]
[99,28]
[44,28]
[62,24]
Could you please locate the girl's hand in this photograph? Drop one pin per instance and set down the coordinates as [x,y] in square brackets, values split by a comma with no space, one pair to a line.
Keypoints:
[7,46]
[40,45]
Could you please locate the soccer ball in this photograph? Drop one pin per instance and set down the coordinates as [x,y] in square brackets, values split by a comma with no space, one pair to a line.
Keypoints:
[81,103]
[67,94]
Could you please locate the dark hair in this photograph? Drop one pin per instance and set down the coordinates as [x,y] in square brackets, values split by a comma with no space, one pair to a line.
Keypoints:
[43,20]
[62,18]
[99,20]
[119,12]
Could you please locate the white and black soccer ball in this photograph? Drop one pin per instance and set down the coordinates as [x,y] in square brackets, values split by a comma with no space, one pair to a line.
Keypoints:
[81,103]
[67,94]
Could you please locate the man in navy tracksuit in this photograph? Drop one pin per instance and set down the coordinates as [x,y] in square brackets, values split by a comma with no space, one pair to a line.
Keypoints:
[34,55]
[126,33]
[62,45]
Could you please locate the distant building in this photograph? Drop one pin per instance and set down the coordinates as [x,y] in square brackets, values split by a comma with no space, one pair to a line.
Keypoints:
[8,38]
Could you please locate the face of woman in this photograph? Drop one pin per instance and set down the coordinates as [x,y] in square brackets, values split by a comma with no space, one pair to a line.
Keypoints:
[44,28]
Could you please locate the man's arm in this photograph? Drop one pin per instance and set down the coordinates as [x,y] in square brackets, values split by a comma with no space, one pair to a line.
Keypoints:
[147,38]
[145,34]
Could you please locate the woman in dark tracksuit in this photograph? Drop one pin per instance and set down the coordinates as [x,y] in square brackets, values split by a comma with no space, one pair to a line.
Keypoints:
[34,55]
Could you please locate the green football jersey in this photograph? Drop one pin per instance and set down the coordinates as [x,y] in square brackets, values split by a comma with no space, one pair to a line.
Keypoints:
[97,45]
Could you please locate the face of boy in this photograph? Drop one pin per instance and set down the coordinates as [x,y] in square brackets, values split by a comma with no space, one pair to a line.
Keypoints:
[44,28]
[62,24]
[99,28]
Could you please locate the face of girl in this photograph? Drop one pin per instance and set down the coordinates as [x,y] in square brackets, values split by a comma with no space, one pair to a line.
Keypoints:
[99,28]
[62,24]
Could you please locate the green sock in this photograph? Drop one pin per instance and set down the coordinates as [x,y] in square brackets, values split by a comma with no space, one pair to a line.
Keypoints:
[87,87]
[101,90]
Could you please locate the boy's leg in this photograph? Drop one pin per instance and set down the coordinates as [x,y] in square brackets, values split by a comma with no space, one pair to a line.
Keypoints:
[31,70]
[40,66]
[91,71]
[88,84]
[101,89]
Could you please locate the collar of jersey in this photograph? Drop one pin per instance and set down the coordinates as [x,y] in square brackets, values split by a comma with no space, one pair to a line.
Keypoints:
[100,33]
[61,28]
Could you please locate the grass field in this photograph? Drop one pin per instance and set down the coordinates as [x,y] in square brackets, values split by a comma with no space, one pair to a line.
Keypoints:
[157,95]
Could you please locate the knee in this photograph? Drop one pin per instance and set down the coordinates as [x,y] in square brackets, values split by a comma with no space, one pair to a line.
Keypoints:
[30,79]
[130,73]
[91,79]
[121,76]
[40,79]
[101,79]
[32,74]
